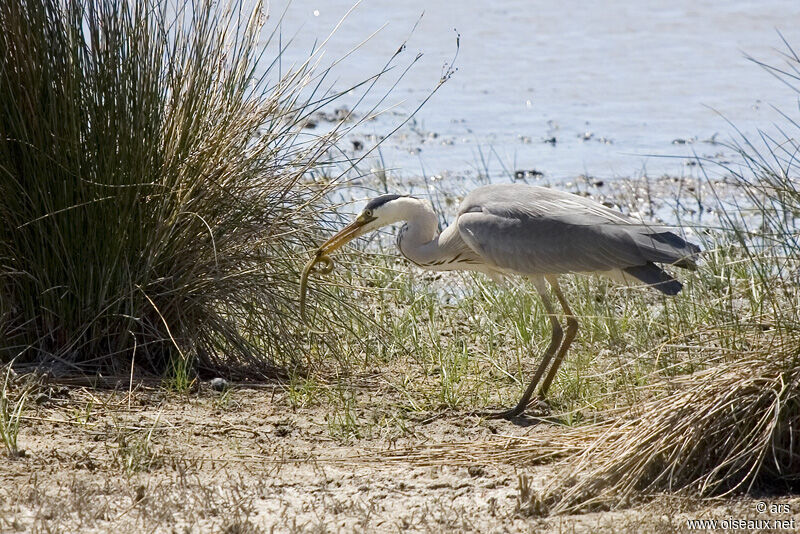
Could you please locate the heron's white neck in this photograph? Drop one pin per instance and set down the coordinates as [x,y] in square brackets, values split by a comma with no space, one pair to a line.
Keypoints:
[418,239]
[422,224]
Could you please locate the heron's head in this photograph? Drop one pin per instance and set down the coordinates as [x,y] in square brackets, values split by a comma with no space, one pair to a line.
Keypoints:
[379,212]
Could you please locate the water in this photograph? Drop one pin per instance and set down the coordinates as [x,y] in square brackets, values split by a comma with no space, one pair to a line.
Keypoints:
[615,83]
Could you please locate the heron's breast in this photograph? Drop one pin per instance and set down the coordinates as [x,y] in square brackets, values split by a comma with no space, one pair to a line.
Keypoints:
[455,262]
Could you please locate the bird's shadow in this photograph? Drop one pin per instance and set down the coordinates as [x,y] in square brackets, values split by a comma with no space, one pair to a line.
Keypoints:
[523,420]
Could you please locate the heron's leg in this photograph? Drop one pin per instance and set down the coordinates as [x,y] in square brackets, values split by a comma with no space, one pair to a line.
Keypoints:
[569,336]
[541,288]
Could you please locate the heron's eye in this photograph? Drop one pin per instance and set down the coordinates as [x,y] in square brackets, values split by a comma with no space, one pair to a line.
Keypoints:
[368,213]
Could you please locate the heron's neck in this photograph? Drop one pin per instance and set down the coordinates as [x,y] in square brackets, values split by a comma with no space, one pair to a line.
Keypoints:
[418,238]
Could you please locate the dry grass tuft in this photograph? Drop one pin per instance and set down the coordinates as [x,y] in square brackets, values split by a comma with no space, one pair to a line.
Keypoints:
[729,428]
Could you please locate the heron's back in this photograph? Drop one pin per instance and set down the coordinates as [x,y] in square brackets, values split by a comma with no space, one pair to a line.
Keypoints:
[535,230]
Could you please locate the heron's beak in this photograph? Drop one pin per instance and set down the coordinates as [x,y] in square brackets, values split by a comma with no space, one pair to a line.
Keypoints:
[344,236]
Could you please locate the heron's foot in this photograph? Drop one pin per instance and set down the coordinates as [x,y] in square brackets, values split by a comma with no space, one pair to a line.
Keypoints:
[513,413]
[538,407]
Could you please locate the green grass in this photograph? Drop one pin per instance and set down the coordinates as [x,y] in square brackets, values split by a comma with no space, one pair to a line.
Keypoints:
[10,414]
[465,342]
[132,451]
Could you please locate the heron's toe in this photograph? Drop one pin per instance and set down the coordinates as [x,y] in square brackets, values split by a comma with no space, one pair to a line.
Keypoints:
[540,406]
[513,413]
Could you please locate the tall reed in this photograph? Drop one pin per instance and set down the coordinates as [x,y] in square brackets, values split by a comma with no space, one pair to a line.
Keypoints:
[152,185]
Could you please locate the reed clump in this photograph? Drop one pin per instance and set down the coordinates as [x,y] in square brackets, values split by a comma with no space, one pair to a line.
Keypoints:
[730,428]
[153,173]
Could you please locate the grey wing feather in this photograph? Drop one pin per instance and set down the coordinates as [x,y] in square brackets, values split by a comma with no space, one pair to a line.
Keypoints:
[537,230]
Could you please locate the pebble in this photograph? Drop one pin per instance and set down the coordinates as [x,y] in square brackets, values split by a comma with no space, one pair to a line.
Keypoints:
[219,384]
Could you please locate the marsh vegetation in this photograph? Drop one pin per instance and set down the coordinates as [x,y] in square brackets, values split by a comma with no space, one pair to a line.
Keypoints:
[159,201]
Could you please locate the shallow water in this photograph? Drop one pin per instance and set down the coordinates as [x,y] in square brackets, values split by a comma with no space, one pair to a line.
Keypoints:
[610,84]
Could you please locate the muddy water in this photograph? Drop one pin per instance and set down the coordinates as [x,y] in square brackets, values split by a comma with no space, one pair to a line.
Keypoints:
[563,88]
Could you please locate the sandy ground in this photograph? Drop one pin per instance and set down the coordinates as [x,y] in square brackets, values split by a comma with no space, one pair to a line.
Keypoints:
[252,460]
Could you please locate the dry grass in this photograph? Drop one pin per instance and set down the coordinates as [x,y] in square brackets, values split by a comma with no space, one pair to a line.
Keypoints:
[250,460]
[729,428]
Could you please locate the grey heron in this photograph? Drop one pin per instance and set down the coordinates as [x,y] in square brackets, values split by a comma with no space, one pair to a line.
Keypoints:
[532,231]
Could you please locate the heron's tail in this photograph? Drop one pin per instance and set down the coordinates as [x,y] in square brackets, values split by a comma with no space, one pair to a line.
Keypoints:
[656,277]
[666,247]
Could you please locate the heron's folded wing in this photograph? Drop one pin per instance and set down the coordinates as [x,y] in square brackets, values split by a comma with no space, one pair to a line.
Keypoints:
[529,241]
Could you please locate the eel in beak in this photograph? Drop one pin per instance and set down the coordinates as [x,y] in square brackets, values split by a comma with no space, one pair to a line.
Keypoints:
[341,238]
